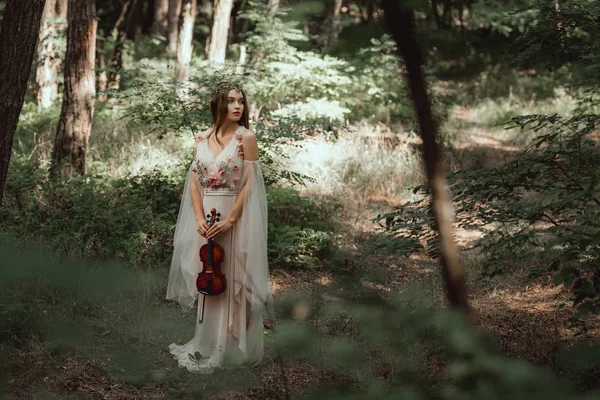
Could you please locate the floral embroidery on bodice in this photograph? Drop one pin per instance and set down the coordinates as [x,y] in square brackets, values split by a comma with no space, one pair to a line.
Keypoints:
[223,171]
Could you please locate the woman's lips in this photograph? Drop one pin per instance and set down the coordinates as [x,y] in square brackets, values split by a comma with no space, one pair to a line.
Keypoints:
[236,113]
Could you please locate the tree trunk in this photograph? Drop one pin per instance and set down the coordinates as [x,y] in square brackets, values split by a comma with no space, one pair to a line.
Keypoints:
[135,20]
[560,32]
[48,62]
[220,31]
[102,77]
[273,7]
[173,25]
[370,11]
[18,38]
[337,22]
[149,18]
[233,23]
[161,11]
[185,39]
[400,23]
[77,113]
[114,78]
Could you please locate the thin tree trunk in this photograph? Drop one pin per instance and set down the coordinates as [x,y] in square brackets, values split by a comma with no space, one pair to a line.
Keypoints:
[149,18]
[18,38]
[337,22]
[436,15]
[447,14]
[114,78]
[135,20]
[233,19]
[173,25]
[161,11]
[220,30]
[48,61]
[185,39]
[102,76]
[400,23]
[77,113]
[370,11]
[273,7]
[560,31]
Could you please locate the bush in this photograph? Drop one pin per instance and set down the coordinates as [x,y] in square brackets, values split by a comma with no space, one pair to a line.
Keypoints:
[299,230]
[93,216]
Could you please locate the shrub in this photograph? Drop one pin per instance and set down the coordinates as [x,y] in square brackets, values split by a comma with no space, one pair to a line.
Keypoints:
[299,229]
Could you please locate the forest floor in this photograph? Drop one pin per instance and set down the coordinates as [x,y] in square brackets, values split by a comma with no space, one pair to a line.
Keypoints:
[526,318]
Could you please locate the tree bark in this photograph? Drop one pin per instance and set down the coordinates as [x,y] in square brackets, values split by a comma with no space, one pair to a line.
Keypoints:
[48,61]
[18,38]
[77,113]
[400,23]
[161,11]
[102,76]
[185,39]
[273,7]
[220,31]
[173,25]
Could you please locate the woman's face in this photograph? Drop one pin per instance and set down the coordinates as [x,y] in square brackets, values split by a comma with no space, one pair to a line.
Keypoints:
[235,105]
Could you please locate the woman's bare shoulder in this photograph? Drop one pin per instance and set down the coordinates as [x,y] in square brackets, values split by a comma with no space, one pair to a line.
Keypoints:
[248,134]
[249,145]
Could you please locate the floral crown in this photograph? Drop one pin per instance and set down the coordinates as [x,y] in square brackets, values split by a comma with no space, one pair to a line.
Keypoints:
[225,86]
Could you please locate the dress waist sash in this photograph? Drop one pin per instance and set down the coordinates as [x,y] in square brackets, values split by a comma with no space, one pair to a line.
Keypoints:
[219,192]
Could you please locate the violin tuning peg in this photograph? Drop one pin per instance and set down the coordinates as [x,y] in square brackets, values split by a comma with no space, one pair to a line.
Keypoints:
[218,214]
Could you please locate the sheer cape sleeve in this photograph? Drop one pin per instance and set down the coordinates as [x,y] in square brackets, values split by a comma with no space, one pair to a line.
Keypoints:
[251,246]
[252,227]
[186,243]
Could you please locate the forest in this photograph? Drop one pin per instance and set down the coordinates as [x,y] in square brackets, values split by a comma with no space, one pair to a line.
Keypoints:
[432,172]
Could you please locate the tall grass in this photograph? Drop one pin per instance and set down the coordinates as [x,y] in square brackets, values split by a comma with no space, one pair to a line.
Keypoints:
[359,164]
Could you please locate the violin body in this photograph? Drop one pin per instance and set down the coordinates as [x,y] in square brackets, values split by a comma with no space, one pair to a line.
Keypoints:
[211,281]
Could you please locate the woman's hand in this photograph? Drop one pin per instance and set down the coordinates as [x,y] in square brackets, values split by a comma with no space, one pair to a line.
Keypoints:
[219,228]
[202,227]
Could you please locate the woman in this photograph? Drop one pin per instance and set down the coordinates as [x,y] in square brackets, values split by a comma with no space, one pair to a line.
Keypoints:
[225,175]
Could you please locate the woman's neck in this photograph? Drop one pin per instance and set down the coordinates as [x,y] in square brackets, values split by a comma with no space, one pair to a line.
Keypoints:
[227,127]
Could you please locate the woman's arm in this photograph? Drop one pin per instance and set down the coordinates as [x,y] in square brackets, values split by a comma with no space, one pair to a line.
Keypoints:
[196,192]
[250,148]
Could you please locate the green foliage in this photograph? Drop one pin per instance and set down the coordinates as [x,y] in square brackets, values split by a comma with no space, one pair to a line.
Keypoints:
[567,35]
[299,230]
[394,342]
[376,90]
[504,17]
[33,284]
[285,75]
[78,217]
[543,204]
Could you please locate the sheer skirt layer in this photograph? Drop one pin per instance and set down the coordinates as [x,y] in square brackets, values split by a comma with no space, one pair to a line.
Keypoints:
[223,337]
[232,330]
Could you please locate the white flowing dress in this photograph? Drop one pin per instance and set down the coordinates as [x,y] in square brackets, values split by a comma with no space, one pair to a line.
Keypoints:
[232,329]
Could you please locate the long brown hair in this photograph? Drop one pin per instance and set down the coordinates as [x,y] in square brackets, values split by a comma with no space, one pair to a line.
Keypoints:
[218,109]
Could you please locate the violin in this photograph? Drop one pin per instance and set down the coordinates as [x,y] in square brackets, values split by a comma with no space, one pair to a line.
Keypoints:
[211,281]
